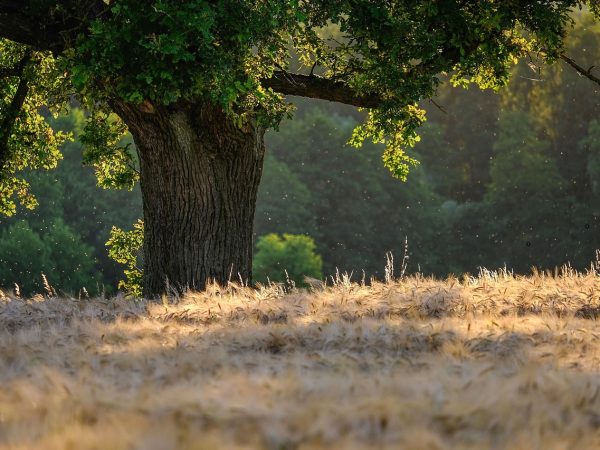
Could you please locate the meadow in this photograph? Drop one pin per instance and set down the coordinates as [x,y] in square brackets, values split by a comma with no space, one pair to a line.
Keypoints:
[491,361]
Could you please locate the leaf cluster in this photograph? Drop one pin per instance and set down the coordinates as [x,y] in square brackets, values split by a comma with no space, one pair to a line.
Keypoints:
[106,149]
[26,140]
[125,247]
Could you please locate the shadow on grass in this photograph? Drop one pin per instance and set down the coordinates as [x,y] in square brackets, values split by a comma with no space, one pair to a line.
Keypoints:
[398,366]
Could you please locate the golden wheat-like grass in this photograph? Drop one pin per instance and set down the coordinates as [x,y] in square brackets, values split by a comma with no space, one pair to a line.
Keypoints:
[490,362]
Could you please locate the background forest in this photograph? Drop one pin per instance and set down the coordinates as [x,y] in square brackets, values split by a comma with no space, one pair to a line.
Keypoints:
[505,179]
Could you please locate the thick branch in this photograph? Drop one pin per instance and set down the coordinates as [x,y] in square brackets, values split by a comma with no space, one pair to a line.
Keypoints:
[582,71]
[46,27]
[313,86]
[12,113]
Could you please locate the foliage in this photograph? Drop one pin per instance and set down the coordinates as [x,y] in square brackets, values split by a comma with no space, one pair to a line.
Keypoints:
[222,51]
[524,197]
[170,51]
[105,150]
[279,258]
[458,141]
[125,247]
[26,139]
[83,207]
[590,144]
[521,171]
[68,195]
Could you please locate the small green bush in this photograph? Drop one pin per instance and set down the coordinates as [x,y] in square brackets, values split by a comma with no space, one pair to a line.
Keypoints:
[277,254]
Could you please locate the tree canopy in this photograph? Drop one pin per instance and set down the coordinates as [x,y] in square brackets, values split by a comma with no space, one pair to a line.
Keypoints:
[245,56]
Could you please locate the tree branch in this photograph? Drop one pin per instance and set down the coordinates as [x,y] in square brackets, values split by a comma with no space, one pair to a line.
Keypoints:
[313,86]
[12,113]
[46,27]
[582,71]
[18,26]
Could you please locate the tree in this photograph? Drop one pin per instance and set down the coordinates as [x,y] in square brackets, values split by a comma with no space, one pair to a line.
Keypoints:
[197,82]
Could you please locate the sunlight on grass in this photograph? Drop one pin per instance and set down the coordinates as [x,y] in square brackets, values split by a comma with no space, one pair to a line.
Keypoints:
[487,361]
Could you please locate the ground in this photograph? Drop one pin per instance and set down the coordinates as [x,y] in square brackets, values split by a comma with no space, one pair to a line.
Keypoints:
[493,361]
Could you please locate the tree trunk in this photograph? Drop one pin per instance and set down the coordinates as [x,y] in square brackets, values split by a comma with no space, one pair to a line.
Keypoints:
[199,179]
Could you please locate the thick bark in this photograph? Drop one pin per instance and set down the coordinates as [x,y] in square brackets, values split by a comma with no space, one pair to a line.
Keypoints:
[199,180]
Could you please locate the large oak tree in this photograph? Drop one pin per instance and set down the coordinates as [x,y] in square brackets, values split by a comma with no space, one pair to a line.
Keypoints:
[198,82]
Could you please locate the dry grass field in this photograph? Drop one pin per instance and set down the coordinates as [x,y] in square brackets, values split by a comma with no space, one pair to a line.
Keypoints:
[494,361]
